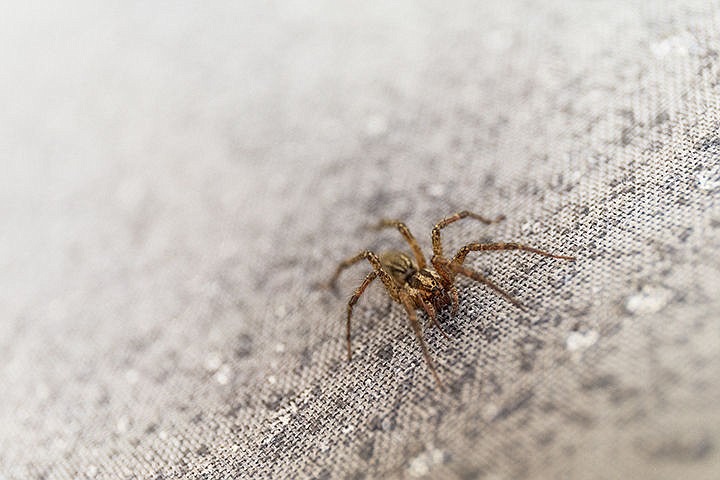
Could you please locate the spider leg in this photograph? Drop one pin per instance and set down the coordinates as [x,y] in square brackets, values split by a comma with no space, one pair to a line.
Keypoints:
[353,300]
[377,272]
[437,245]
[455,299]
[430,310]
[405,231]
[415,324]
[377,267]
[477,247]
[480,278]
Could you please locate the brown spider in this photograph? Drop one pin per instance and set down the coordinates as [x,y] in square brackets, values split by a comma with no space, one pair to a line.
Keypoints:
[415,285]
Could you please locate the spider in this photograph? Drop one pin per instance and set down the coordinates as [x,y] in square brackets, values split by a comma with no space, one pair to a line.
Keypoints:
[412,283]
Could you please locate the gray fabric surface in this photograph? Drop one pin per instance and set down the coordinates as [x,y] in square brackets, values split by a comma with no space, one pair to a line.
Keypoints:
[177,181]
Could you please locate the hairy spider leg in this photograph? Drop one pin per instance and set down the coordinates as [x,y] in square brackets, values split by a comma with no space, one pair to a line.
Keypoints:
[455,299]
[432,313]
[438,259]
[353,300]
[415,324]
[436,243]
[405,231]
[462,270]
[377,267]
[377,271]
[478,247]
[456,264]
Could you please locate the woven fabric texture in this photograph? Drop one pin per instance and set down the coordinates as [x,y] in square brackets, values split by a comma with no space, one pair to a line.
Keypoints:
[178,182]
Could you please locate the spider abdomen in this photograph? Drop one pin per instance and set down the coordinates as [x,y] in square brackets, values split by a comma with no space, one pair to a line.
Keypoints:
[399,265]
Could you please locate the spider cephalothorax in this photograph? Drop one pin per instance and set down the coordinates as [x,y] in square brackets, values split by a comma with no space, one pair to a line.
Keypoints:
[415,285]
